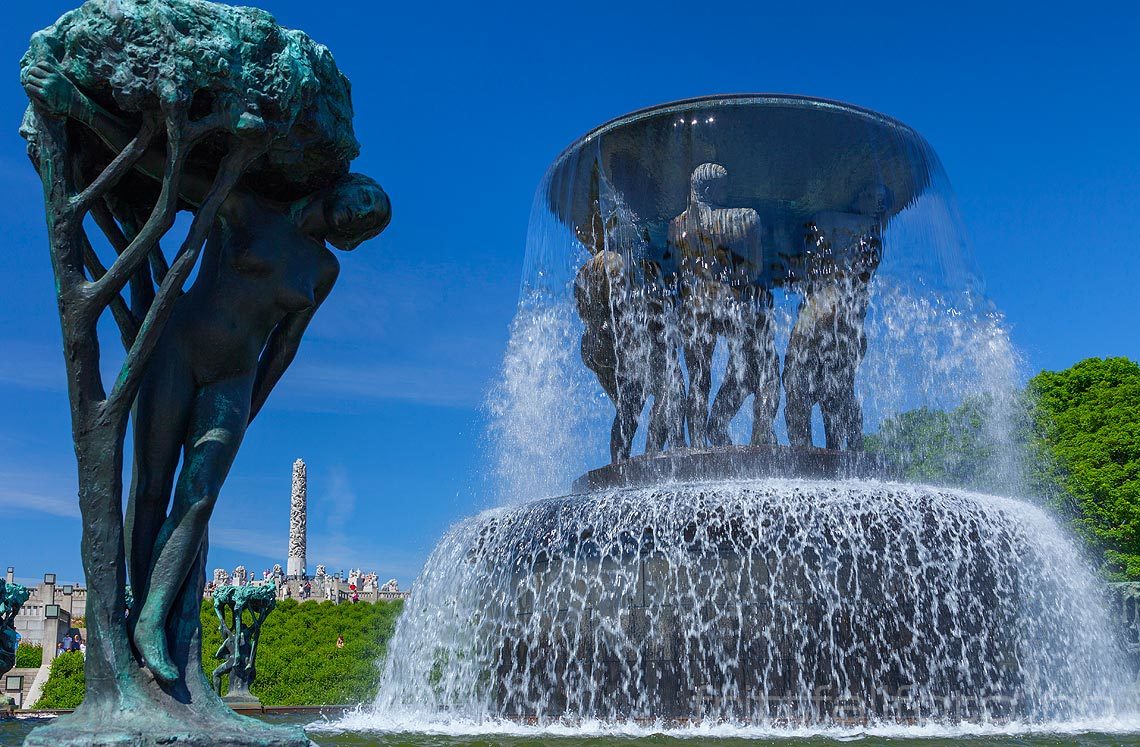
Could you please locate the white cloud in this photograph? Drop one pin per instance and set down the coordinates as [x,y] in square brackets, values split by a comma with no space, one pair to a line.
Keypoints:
[56,504]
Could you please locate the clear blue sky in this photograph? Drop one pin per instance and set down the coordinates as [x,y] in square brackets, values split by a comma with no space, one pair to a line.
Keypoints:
[460,108]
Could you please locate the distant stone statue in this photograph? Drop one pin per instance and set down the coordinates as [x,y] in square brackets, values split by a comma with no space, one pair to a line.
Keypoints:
[141,109]
[718,248]
[12,598]
[238,651]
[827,342]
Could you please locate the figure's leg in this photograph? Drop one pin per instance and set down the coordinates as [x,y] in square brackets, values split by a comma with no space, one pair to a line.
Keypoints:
[851,416]
[657,434]
[675,399]
[766,402]
[631,400]
[160,419]
[832,422]
[729,399]
[217,425]
[699,349]
[798,398]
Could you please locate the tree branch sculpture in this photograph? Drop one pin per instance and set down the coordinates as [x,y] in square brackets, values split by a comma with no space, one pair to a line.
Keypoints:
[141,109]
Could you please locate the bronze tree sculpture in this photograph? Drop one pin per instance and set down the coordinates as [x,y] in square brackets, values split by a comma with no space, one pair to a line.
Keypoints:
[140,110]
[238,651]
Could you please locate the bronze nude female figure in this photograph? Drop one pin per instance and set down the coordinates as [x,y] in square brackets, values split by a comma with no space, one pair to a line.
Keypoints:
[264,272]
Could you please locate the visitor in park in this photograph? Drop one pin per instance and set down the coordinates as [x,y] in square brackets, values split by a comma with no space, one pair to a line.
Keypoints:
[206,383]
[355,597]
[59,649]
[67,642]
[340,641]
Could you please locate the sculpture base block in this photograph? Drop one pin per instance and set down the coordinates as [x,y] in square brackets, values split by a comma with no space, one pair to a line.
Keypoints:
[243,702]
[733,463]
[64,732]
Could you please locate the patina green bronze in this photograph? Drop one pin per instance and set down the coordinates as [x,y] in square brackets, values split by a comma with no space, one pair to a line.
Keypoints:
[12,598]
[238,651]
[141,109]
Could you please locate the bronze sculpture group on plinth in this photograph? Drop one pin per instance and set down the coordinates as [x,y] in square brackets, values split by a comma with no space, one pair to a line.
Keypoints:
[139,110]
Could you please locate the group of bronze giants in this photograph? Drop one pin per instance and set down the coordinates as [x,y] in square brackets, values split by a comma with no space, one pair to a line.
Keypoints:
[642,320]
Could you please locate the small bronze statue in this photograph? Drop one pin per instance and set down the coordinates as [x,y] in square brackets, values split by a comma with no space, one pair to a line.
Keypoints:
[12,598]
[238,651]
[718,248]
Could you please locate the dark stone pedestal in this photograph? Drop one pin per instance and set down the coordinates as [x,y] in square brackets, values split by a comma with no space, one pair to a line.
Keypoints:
[733,463]
[243,702]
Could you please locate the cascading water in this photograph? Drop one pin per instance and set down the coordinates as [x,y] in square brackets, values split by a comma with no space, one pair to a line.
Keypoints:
[787,601]
[683,262]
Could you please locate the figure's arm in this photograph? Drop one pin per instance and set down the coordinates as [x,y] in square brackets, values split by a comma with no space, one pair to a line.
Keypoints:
[282,347]
[279,353]
[49,88]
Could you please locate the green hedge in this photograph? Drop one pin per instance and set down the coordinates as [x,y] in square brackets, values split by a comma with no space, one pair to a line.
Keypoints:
[65,686]
[28,655]
[298,662]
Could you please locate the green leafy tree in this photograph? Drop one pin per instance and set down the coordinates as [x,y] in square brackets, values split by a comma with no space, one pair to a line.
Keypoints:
[1086,431]
[955,448]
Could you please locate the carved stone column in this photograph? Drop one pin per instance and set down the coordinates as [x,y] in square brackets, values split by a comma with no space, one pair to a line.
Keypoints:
[298,518]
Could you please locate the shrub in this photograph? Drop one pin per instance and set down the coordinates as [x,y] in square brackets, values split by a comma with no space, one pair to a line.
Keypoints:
[298,662]
[65,686]
[29,655]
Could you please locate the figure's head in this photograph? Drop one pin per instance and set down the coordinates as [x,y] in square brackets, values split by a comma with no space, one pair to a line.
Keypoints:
[709,184]
[355,209]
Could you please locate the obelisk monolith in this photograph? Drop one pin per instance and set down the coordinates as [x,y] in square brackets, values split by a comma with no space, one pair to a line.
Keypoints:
[298,507]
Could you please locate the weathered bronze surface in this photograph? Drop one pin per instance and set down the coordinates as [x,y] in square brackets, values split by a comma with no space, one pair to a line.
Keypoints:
[238,651]
[12,598]
[140,109]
